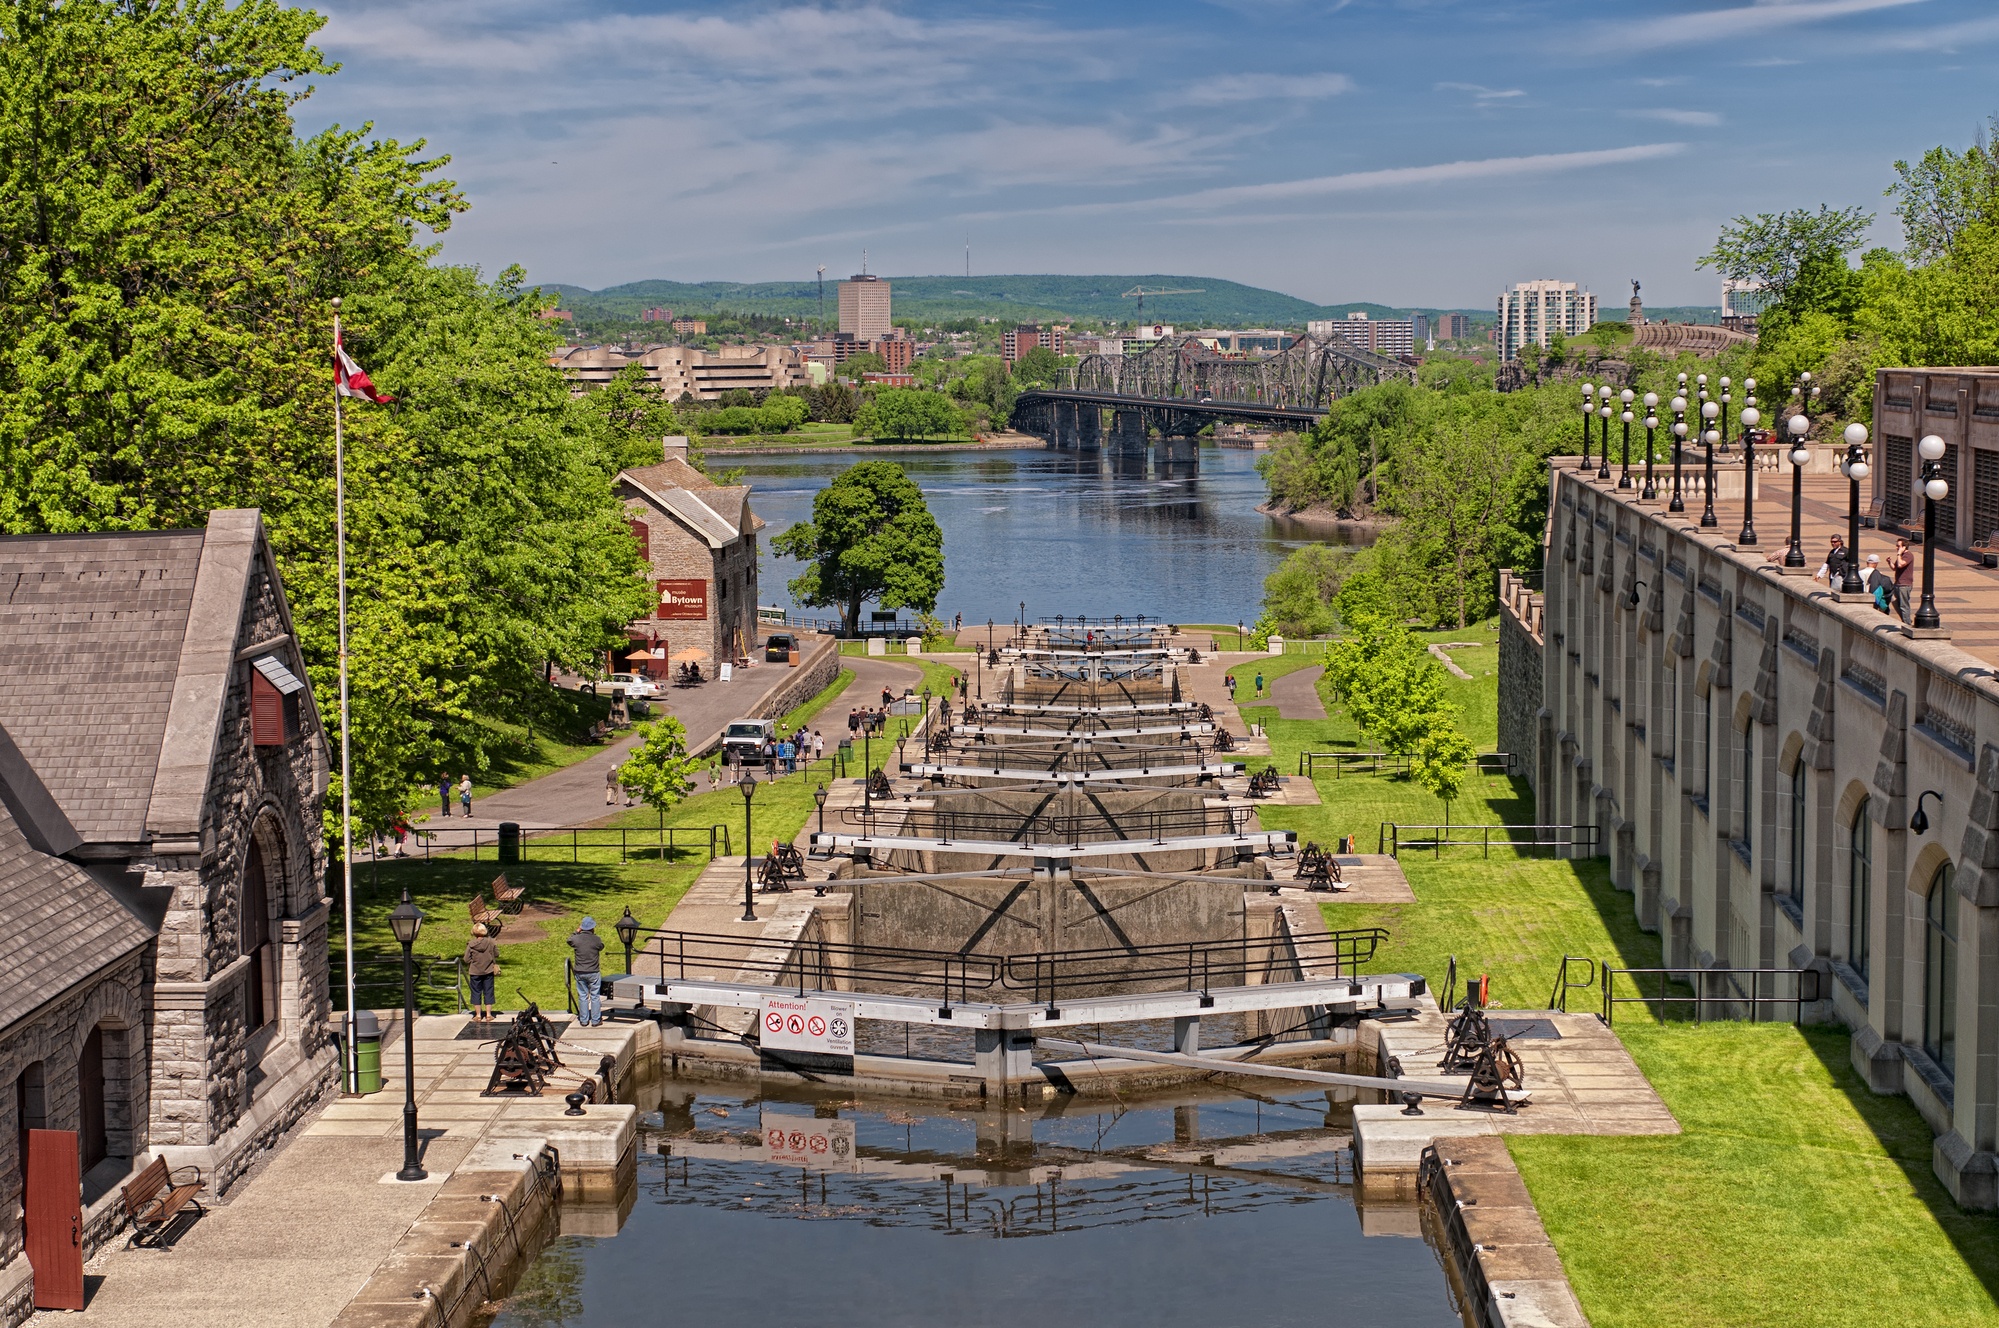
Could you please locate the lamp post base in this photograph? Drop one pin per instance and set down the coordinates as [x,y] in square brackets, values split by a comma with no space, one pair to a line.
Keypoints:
[1927,633]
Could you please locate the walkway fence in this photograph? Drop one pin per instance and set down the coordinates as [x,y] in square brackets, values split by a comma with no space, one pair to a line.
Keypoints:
[1714,993]
[1395,836]
[570,843]
[378,981]
[1376,763]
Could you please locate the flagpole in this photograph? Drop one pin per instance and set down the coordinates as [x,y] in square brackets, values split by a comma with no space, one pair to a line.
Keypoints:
[353,1066]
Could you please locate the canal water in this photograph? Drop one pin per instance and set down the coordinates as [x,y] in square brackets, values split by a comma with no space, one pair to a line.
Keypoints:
[1069,533]
[1207,1209]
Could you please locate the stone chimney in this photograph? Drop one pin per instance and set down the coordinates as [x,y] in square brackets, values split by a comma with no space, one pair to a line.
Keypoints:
[676,447]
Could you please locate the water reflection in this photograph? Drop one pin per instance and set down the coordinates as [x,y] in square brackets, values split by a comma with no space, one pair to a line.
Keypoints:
[1069,532]
[1203,1207]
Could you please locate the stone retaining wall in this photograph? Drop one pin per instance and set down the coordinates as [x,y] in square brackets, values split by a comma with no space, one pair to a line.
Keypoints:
[1520,648]
[814,674]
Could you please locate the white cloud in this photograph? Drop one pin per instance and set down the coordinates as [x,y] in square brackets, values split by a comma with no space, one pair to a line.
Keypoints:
[1224,89]
[1753,20]
[1399,177]
[1482,94]
[1671,115]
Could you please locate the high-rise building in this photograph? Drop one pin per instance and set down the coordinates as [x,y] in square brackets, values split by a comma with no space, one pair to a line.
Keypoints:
[1383,336]
[864,307]
[896,352]
[655,315]
[1016,342]
[1534,311]
[1452,327]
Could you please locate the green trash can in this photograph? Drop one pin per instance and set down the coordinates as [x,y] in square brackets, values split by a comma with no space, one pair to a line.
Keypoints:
[510,841]
[368,1051]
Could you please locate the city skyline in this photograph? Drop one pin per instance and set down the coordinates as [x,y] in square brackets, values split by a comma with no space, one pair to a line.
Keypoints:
[1411,154]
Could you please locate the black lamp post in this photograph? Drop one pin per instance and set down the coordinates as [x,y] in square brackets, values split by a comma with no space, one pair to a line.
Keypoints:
[1751,417]
[748,784]
[1624,417]
[406,920]
[1710,412]
[627,928]
[1935,490]
[1799,425]
[1856,471]
[1589,409]
[868,772]
[819,798]
[1678,503]
[1603,414]
[1650,493]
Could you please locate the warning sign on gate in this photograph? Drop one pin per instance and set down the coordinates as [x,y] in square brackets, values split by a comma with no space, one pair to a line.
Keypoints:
[808,1023]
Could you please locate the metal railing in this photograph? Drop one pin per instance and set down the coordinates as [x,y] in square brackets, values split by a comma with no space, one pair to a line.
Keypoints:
[1057,756]
[1450,996]
[1017,828]
[1374,763]
[1565,982]
[1393,837]
[554,845]
[378,980]
[1199,965]
[1807,986]
[814,963]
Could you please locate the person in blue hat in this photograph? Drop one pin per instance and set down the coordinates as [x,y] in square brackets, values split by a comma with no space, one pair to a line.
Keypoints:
[589,948]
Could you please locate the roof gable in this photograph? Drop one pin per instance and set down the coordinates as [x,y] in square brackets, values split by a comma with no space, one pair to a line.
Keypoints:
[60,925]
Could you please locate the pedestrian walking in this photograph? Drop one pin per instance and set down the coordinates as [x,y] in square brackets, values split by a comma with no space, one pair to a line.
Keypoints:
[854,722]
[1259,684]
[611,786]
[400,828]
[444,794]
[818,746]
[482,965]
[888,698]
[1229,682]
[1905,578]
[589,948]
[465,794]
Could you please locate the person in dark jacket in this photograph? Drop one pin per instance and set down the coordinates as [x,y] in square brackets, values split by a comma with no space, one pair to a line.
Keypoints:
[589,948]
[482,965]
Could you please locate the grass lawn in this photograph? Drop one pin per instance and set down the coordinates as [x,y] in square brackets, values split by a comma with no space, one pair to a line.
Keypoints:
[808,712]
[515,755]
[1794,1197]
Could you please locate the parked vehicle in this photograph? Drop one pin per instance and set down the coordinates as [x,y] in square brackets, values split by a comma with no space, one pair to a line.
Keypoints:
[747,736]
[778,647]
[637,686]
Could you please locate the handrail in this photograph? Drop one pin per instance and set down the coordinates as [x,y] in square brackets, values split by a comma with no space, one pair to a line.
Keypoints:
[449,840]
[1558,999]
[1198,964]
[1486,763]
[1077,828]
[826,965]
[1390,839]
[1717,1006]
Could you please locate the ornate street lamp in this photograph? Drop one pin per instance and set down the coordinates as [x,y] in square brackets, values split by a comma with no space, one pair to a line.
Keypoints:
[1589,408]
[748,785]
[1710,413]
[627,928]
[1679,404]
[1855,466]
[1603,413]
[1799,426]
[406,920]
[1751,417]
[1935,490]
[1650,494]
[819,797]
[1624,416]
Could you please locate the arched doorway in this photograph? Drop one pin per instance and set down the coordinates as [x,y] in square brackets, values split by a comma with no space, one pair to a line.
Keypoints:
[91,1140]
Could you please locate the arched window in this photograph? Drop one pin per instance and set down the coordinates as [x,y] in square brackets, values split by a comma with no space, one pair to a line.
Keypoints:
[1940,973]
[90,1099]
[1859,874]
[1798,832]
[1749,786]
[260,1004]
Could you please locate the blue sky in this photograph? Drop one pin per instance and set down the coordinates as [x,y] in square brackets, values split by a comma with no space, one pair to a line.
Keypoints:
[1404,151]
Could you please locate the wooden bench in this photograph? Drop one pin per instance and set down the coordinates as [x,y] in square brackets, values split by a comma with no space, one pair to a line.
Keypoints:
[508,898]
[481,911]
[157,1195]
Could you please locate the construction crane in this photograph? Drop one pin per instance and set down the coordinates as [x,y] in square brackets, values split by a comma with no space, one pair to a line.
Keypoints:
[1140,292]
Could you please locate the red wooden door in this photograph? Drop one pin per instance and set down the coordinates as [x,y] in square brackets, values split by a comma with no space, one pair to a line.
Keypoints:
[55,1219]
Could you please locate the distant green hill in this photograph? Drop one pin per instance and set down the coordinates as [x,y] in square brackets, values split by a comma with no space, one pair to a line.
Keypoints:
[1025,298]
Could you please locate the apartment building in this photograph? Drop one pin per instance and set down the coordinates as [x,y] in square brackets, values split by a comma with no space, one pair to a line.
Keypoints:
[864,307]
[1534,311]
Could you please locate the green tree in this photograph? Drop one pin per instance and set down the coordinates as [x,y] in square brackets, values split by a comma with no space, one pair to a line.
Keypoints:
[862,362]
[1392,689]
[902,412]
[1798,257]
[871,538]
[1942,194]
[1298,597]
[1452,485]
[1443,759]
[659,769]
[1040,367]
[633,418]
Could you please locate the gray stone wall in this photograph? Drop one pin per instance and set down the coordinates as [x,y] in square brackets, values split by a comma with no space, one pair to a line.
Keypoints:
[54,1037]
[1519,675]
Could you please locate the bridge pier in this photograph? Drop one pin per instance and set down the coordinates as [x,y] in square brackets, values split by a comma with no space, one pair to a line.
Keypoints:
[1089,426]
[1067,426]
[1181,449]
[1128,431]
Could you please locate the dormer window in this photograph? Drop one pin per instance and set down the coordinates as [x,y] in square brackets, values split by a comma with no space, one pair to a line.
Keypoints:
[275,700]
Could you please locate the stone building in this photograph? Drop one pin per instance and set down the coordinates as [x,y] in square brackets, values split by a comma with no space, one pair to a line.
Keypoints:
[1753,751]
[701,539]
[163,932]
[1960,406]
[677,371]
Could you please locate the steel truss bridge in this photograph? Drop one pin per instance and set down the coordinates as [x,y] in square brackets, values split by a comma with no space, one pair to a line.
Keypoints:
[1180,386]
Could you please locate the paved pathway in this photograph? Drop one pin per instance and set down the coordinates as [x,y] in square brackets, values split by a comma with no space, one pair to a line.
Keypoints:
[1297,694]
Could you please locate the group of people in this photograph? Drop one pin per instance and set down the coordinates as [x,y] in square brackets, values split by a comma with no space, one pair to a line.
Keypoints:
[464,794]
[782,755]
[1889,584]
[482,967]
[863,720]
[1230,682]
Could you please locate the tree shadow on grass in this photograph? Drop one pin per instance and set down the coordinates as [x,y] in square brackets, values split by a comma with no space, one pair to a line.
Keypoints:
[1905,1137]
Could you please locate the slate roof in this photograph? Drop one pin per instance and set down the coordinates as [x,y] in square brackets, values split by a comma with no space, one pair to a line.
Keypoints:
[62,926]
[91,629]
[715,514]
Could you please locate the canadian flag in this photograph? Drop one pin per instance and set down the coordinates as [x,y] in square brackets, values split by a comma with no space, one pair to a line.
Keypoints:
[350,380]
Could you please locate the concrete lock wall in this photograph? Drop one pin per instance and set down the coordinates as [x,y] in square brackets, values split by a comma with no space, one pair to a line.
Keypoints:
[1520,610]
[1016,815]
[1731,712]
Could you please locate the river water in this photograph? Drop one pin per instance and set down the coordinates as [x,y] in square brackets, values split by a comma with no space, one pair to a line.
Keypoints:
[1069,533]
